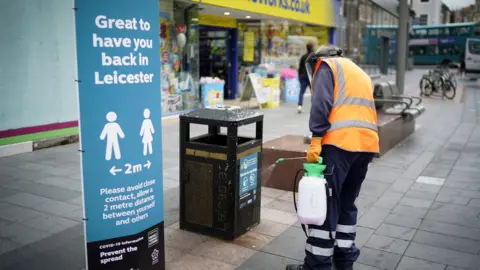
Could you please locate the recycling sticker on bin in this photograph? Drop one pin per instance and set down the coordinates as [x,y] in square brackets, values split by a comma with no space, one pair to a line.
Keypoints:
[248,179]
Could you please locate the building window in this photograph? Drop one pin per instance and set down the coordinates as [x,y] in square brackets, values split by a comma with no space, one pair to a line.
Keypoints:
[424,1]
[423,19]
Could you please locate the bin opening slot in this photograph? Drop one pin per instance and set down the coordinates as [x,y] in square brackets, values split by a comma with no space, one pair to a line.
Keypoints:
[219,139]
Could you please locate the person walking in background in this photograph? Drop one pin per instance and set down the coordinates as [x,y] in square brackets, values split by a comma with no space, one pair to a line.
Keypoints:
[303,77]
[343,122]
[461,70]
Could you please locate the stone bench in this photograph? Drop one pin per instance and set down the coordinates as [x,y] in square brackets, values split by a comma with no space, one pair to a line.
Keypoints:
[392,129]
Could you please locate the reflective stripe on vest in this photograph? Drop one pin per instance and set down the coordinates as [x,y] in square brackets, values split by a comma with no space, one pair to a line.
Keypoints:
[342,99]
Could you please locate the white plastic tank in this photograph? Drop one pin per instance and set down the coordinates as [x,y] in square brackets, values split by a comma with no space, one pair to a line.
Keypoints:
[312,200]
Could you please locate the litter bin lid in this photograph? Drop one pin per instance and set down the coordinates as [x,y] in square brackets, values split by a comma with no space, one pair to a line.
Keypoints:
[222,113]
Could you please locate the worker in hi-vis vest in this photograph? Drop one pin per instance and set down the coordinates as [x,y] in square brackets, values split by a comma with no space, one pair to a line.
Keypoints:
[343,122]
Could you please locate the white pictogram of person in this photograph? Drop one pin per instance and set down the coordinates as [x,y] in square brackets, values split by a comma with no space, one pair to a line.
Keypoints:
[146,132]
[111,132]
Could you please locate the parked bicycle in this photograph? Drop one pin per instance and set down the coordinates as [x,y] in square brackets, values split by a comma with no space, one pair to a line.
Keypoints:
[440,80]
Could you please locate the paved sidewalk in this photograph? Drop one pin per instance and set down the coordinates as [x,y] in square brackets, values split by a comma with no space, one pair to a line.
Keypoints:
[419,206]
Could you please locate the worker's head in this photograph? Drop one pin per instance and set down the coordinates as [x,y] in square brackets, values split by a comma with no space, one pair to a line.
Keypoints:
[309,48]
[328,51]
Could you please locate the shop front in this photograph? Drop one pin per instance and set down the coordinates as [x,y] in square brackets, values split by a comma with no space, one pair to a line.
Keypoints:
[209,47]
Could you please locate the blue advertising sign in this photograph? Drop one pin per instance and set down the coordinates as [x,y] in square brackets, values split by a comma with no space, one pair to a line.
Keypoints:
[120,129]
[248,179]
[292,90]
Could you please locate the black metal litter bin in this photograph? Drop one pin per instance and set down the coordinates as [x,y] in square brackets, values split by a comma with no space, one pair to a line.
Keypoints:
[220,179]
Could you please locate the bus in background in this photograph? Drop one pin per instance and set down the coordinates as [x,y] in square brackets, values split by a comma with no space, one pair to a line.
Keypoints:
[436,44]
[428,45]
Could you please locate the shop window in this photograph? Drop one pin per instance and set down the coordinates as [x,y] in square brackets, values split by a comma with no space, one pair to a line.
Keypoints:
[179,73]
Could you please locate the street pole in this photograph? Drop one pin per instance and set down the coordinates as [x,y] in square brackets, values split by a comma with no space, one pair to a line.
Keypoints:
[402,44]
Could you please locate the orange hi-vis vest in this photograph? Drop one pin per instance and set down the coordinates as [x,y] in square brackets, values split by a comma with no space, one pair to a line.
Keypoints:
[353,117]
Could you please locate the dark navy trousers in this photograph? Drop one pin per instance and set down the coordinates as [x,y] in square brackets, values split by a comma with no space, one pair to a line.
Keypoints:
[344,174]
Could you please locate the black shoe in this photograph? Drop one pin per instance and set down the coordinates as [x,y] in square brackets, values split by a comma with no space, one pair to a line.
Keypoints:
[294,267]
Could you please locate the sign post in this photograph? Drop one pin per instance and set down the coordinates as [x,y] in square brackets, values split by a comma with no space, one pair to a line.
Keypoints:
[120,132]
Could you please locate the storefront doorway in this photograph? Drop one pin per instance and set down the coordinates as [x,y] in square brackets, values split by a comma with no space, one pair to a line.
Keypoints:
[218,56]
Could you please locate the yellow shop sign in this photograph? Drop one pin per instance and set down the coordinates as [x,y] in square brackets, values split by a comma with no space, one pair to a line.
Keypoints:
[320,12]
[212,20]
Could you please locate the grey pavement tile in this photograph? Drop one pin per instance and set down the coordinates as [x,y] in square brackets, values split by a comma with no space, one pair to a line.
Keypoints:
[373,188]
[61,182]
[364,202]
[453,218]
[408,263]
[462,185]
[457,209]
[5,179]
[77,215]
[417,194]
[363,235]
[455,268]
[27,175]
[183,240]
[57,208]
[401,185]
[262,261]
[223,251]
[7,192]
[426,187]
[443,256]
[448,196]
[380,259]
[22,234]
[436,173]
[474,203]
[410,211]
[373,217]
[395,231]
[7,245]
[290,244]
[416,203]
[450,229]
[388,200]
[275,215]
[76,201]
[50,224]
[393,245]
[18,214]
[272,193]
[359,266]
[25,199]
[190,262]
[282,205]
[382,173]
[405,221]
[42,190]
[446,241]
[416,168]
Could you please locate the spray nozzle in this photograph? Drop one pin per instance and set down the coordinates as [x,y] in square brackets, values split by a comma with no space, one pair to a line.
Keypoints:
[280,160]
